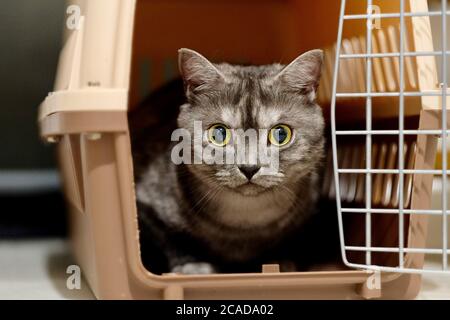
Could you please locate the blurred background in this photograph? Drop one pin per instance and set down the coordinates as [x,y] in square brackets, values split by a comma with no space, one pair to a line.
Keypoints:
[30,34]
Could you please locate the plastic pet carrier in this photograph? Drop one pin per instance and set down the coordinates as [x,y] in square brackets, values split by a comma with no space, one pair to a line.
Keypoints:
[381,91]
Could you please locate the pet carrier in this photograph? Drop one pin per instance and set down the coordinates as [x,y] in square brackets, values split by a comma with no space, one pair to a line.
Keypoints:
[380,167]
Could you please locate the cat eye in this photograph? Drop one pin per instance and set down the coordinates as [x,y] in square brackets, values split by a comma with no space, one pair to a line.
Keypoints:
[280,135]
[219,135]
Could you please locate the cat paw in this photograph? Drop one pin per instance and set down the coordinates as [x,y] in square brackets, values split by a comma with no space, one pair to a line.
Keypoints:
[194,268]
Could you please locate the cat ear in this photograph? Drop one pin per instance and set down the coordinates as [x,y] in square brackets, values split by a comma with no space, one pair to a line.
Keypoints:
[303,74]
[197,72]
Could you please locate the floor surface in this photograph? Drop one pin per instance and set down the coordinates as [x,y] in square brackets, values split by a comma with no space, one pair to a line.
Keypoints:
[36,269]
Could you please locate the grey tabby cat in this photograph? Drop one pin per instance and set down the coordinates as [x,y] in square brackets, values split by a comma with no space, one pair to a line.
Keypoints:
[202,218]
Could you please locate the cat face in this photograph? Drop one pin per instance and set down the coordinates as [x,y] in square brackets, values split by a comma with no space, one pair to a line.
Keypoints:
[243,110]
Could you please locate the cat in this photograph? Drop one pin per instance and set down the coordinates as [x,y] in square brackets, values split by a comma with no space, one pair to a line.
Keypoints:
[206,218]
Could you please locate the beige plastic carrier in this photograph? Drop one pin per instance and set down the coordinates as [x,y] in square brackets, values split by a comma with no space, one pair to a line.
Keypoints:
[100,77]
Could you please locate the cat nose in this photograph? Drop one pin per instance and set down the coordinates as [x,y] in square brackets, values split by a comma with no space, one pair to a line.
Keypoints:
[249,171]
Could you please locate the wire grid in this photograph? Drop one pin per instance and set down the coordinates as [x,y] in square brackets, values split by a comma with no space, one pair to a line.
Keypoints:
[368,249]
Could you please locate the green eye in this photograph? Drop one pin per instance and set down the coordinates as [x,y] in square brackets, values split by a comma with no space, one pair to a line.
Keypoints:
[219,135]
[280,135]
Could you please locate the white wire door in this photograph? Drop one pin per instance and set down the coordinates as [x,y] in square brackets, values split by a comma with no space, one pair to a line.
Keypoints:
[404,98]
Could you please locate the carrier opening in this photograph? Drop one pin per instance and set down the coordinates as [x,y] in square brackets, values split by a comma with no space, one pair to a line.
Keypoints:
[274,32]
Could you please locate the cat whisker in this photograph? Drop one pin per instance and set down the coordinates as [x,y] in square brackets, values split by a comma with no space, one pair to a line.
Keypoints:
[206,199]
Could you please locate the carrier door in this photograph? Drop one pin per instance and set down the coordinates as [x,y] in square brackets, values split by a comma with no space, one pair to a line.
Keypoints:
[389,123]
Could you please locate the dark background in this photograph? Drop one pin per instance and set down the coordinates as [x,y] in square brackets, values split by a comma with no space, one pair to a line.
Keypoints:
[30,37]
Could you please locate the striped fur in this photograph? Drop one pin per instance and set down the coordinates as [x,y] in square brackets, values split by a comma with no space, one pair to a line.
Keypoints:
[209,213]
